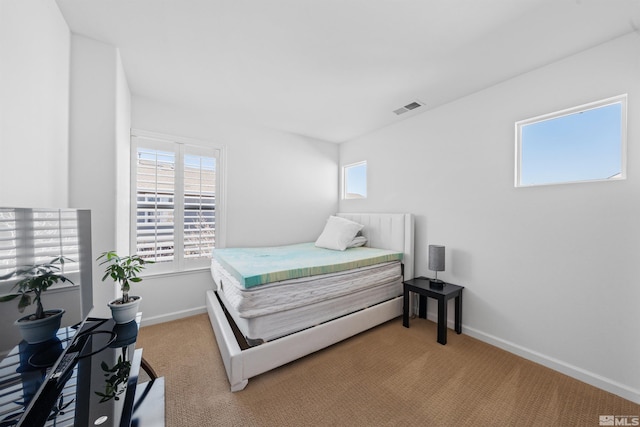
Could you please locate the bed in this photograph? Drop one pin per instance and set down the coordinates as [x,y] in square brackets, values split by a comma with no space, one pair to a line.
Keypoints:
[265,316]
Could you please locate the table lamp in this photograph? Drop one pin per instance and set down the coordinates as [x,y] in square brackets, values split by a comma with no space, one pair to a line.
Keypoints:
[436,263]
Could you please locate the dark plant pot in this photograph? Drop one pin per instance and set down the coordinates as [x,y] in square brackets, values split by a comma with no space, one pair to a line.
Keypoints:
[126,333]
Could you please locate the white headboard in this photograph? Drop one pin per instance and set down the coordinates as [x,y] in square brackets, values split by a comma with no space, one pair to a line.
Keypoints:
[388,231]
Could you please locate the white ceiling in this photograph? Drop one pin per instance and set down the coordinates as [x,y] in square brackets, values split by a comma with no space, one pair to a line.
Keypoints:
[336,69]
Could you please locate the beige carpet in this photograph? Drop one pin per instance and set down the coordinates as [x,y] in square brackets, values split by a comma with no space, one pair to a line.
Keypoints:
[388,376]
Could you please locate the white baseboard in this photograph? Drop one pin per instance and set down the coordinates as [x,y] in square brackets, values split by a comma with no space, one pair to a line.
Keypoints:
[580,374]
[167,317]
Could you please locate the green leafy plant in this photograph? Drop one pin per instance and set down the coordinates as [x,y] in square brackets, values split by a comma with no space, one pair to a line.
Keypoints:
[35,280]
[123,270]
[116,377]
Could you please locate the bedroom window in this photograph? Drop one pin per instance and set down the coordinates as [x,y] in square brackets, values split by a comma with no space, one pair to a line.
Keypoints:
[175,204]
[584,143]
[354,181]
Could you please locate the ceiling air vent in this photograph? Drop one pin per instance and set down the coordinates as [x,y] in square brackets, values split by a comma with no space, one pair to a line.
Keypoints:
[408,107]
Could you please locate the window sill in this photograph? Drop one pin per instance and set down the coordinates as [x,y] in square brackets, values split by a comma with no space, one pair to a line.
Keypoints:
[160,274]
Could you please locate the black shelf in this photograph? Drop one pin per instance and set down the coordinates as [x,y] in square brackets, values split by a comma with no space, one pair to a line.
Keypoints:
[35,390]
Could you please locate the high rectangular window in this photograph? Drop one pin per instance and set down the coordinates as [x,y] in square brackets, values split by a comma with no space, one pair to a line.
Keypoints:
[354,181]
[174,211]
[584,143]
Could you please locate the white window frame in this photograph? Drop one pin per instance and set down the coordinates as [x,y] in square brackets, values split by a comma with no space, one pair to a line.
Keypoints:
[180,146]
[345,195]
[620,99]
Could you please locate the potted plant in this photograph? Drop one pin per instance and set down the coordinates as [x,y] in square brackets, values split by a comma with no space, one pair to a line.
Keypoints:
[33,281]
[123,270]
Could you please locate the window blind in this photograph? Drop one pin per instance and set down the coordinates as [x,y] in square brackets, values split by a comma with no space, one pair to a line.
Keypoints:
[29,237]
[155,195]
[199,205]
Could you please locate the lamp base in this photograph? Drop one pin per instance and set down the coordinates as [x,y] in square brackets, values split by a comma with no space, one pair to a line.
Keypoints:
[436,283]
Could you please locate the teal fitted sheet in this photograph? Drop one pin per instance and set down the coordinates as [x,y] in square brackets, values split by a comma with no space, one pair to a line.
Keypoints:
[257,266]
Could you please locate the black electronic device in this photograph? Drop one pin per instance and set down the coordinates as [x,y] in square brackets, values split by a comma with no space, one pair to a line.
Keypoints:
[34,236]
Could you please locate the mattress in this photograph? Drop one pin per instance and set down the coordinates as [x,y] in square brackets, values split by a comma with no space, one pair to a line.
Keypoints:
[257,330]
[274,309]
[257,266]
[290,294]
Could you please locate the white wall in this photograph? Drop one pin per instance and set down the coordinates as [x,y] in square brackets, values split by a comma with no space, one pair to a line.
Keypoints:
[123,158]
[100,107]
[34,104]
[65,99]
[280,189]
[551,272]
[34,128]
[34,112]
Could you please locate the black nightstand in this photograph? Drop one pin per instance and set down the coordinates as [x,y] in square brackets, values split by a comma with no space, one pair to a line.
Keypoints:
[421,286]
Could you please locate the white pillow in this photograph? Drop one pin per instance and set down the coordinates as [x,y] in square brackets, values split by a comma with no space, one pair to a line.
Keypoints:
[357,241]
[338,233]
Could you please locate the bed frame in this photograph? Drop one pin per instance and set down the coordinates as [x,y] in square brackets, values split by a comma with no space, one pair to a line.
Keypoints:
[386,231]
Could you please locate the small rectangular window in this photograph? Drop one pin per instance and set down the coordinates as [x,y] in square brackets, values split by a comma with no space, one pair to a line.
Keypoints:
[584,143]
[354,181]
